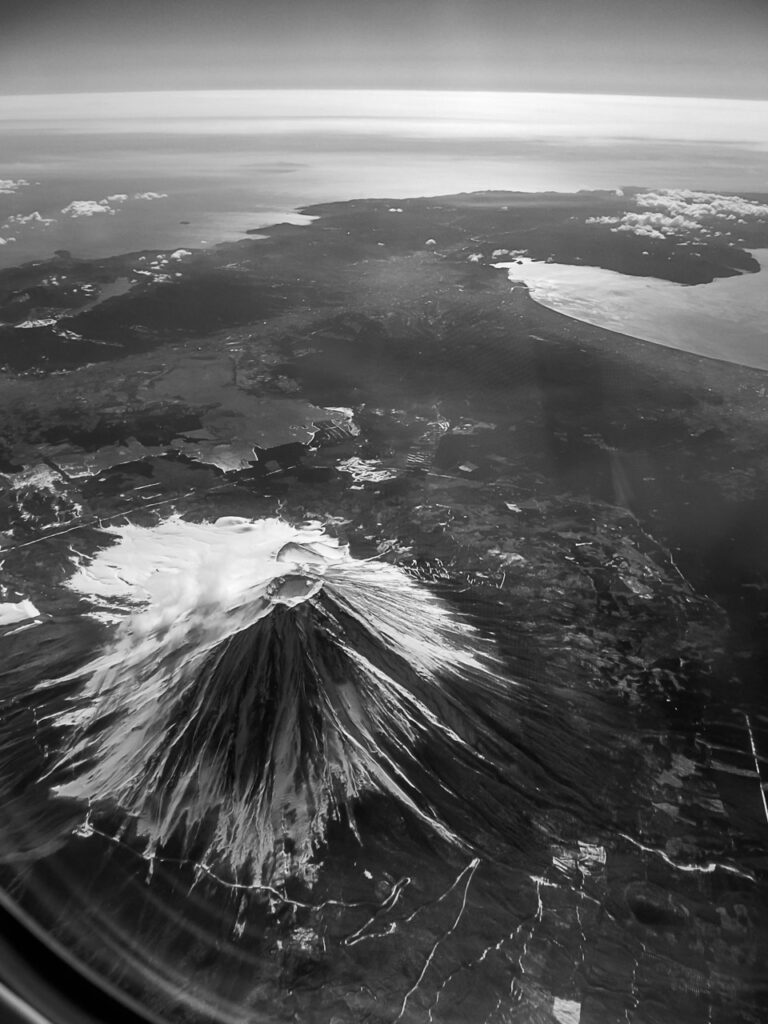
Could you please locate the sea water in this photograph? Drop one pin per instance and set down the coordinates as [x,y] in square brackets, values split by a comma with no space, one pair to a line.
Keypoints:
[726,319]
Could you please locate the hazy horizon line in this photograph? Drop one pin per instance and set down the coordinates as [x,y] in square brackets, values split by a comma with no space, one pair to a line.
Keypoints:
[390,89]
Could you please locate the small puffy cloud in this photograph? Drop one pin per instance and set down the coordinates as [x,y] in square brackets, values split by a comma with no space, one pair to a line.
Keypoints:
[6,241]
[10,185]
[658,225]
[150,195]
[642,230]
[702,206]
[118,197]
[674,212]
[179,254]
[31,218]
[87,208]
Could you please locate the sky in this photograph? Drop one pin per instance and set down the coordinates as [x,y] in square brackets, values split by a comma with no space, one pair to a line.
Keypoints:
[699,48]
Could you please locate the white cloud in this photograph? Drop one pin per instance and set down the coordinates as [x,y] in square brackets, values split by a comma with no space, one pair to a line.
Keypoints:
[673,212]
[463,115]
[31,218]
[91,207]
[701,205]
[6,241]
[661,223]
[8,185]
[87,208]
[643,230]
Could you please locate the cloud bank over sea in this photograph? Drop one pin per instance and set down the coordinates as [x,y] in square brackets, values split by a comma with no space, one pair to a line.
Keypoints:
[422,113]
